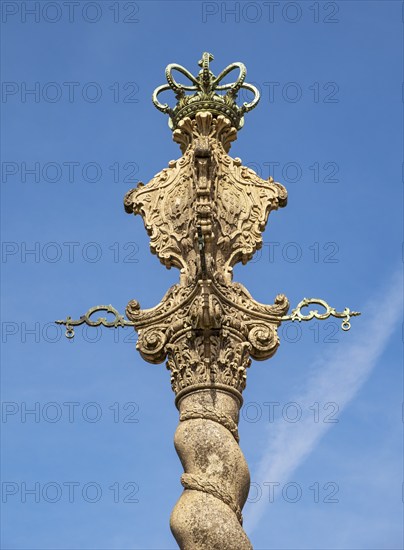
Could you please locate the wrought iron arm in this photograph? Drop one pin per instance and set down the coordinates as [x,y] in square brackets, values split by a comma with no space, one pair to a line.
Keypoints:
[297,315]
[118,321]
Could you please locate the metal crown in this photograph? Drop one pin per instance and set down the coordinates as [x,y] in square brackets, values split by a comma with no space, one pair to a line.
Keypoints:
[206,85]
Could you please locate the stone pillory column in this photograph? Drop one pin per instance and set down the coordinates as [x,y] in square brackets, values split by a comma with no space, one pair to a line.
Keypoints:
[204,213]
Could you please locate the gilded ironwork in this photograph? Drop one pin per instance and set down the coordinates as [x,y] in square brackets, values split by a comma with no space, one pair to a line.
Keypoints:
[206,97]
[117,321]
[297,315]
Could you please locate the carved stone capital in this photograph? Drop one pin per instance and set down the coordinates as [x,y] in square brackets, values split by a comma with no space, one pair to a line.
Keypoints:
[208,331]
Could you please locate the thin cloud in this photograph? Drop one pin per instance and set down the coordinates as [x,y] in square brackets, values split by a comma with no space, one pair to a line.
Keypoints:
[336,377]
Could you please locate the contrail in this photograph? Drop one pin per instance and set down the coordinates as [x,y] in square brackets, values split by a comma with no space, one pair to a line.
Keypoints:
[336,377]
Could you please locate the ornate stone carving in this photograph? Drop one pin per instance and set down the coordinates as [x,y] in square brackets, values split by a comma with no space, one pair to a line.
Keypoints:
[209,331]
[216,479]
[205,189]
[205,213]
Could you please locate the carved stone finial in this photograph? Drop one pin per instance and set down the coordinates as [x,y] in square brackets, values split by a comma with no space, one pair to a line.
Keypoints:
[206,97]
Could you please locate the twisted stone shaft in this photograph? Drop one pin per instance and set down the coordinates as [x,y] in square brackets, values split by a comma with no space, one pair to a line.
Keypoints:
[216,479]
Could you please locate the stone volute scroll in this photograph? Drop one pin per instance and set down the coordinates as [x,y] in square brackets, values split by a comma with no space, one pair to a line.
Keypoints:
[204,213]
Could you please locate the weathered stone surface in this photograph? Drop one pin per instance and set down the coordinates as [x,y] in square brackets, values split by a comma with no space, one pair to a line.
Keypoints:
[216,478]
[204,213]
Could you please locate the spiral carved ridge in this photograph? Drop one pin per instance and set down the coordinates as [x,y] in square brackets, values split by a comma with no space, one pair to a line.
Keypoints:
[216,479]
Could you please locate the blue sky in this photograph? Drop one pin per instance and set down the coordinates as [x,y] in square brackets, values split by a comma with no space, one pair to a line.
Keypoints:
[329,127]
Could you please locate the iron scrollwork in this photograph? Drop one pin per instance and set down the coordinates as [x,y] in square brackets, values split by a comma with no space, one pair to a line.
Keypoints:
[118,321]
[297,315]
